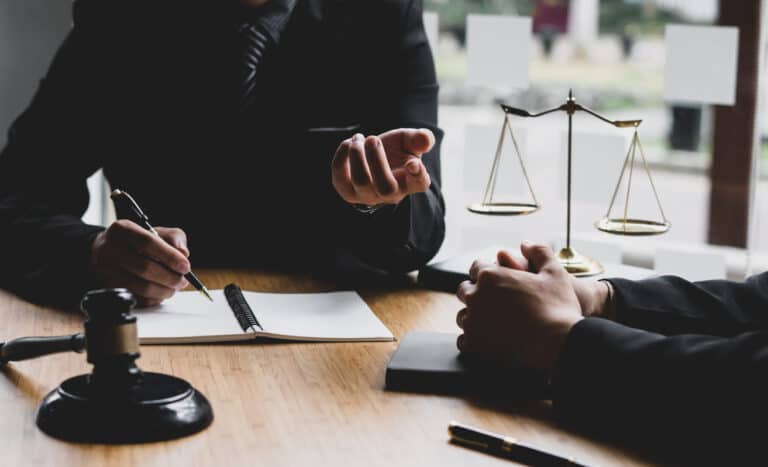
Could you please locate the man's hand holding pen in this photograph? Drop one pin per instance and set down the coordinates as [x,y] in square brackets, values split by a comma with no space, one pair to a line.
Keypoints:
[150,266]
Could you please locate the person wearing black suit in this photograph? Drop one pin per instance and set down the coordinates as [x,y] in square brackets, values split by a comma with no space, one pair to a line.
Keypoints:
[664,364]
[242,124]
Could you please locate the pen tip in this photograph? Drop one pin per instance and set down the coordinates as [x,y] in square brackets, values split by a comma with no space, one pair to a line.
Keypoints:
[204,291]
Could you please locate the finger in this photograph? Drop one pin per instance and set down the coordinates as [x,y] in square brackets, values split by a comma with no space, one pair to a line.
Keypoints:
[409,140]
[383,179]
[341,175]
[361,175]
[477,265]
[413,177]
[140,287]
[175,237]
[461,317]
[539,256]
[507,260]
[465,290]
[461,343]
[145,268]
[145,302]
[148,244]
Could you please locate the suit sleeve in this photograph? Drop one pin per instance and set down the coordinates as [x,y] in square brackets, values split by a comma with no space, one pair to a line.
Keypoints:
[698,397]
[52,149]
[404,237]
[670,305]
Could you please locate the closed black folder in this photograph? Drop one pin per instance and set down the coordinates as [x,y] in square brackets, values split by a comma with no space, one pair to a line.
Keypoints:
[429,362]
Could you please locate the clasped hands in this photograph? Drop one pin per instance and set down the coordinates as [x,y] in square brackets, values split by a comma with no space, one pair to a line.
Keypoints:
[519,311]
[376,170]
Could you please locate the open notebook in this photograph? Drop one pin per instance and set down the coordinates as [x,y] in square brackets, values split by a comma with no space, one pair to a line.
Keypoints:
[235,315]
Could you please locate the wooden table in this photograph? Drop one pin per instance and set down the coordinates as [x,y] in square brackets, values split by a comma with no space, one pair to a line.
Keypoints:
[282,404]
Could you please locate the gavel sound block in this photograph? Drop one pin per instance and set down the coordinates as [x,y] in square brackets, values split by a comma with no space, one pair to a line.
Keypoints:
[116,402]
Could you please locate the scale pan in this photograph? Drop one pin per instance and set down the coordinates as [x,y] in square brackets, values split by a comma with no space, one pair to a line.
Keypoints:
[503,209]
[620,226]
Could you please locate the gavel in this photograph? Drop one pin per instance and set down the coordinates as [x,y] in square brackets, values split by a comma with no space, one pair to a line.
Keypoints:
[116,402]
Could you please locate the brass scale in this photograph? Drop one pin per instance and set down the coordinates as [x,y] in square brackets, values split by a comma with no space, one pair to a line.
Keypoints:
[575,263]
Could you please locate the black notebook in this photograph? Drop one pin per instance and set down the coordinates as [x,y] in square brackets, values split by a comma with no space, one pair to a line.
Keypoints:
[430,362]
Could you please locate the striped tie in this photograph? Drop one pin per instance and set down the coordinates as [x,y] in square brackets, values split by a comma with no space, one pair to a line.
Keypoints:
[255,42]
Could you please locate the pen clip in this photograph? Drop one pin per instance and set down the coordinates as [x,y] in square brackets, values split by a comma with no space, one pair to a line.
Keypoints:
[123,200]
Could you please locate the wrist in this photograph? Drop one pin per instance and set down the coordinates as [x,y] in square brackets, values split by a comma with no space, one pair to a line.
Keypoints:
[367,208]
[608,309]
[558,336]
[601,300]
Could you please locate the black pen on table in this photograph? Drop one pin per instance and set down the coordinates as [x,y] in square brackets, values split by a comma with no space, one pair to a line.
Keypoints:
[503,446]
[124,200]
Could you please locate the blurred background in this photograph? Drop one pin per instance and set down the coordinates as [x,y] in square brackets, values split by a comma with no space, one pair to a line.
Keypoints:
[612,54]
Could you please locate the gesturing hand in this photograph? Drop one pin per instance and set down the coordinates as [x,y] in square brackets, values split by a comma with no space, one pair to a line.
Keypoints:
[125,255]
[515,316]
[382,169]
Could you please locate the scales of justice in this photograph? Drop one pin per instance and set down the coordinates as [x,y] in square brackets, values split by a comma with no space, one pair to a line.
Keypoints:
[574,262]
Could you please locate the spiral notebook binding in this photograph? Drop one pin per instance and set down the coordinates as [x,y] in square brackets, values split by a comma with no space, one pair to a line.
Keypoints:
[240,308]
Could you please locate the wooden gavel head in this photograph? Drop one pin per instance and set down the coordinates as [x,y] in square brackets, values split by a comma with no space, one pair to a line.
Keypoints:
[112,341]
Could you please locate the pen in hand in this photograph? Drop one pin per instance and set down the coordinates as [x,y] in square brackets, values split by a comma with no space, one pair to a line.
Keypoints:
[503,446]
[126,204]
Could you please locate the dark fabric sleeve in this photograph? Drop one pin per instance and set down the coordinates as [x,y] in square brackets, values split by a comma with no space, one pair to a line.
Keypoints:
[695,397]
[670,305]
[404,237]
[52,148]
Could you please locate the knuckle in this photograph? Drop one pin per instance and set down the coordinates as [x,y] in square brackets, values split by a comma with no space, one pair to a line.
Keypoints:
[115,229]
[471,299]
[144,243]
[483,276]
[121,224]
[143,289]
[145,268]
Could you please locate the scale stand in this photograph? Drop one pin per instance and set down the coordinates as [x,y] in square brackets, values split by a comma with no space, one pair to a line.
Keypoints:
[574,262]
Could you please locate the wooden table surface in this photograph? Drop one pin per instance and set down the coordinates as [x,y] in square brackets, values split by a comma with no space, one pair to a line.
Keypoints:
[281,404]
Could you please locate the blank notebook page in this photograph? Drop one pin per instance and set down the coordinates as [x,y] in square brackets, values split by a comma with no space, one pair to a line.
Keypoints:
[331,316]
[189,314]
[326,316]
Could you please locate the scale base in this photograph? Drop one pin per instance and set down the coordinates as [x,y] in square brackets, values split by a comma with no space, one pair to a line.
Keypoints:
[163,407]
[577,264]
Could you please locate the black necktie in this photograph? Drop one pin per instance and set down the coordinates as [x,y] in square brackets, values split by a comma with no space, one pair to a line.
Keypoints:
[255,39]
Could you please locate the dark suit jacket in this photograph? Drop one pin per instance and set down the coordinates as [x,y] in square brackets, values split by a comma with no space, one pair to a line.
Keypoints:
[147,90]
[684,370]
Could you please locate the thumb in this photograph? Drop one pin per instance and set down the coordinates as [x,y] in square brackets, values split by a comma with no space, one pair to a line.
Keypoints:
[539,256]
[408,141]
[506,259]
[418,141]
[174,237]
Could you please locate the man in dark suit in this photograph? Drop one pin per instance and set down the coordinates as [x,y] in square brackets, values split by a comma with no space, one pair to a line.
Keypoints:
[661,363]
[242,124]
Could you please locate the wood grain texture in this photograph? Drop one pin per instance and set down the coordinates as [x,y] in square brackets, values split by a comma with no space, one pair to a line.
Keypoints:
[281,404]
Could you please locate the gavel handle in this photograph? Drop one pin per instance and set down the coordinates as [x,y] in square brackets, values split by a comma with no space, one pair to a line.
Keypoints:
[25,348]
